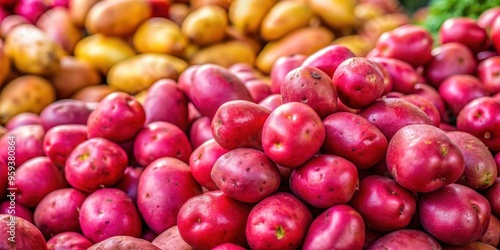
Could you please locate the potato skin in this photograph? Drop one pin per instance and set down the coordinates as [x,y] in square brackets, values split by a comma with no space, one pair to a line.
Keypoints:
[4,64]
[283,18]
[171,238]
[225,54]
[160,35]
[205,25]
[59,142]
[78,10]
[247,15]
[93,93]
[68,240]
[405,238]
[56,23]
[28,93]
[29,143]
[74,74]
[27,235]
[123,243]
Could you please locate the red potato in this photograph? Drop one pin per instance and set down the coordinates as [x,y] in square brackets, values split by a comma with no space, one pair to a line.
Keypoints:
[468,214]
[112,112]
[458,90]
[480,118]
[402,75]
[95,163]
[272,101]
[123,242]
[480,167]
[470,246]
[241,67]
[281,68]
[310,86]
[339,227]
[431,94]
[44,173]
[359,82]
[60,141]
[497,160]
[161,139]
[165,185]
[66,111]
[200,131]
[325,181]
[17,233]
[426,106]
[384,204]
[210,219]
[388,83]
[391,114]
[9,206]
[171,239]
[466,31]
[202,161]
[259,89]
[341,107]
[65,33]
[246,175]
[212,86]
[68,240]
[447,60]
[354,138]
[371,236]
[238,124]
[58,212]
[28,142]
[328,58]
[492,235]
[485,20]
[148,234]
[228,246]
[483,55]
[406,239]
[280,221]
[488,71]
[23,119]
[185,80]
[166,102]
[492,193]
[109,212]
[495,33]
[129,183]
[292,134]
[4,178]
[32,10]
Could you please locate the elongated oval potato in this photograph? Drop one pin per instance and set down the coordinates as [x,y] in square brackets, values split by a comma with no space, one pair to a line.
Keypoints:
[302,41]
[103,51]
[117,17]
[225,54]
[205,25]
[32,51]
[160,35]
[56,23]
[4,65]
[140,72]
[28,93]
[78,10]
[283,18]
[93,93]
[247,15]
[358,44]
[74,75]
[337,14]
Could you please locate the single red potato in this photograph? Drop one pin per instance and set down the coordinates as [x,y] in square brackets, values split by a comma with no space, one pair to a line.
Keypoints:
[458,90]
[426,106]
[26,140]
[171,239]
[9,206]
[123,242]
[186,78]
[486,19]
[259,89]
[470,246]
[68,240]
[488,71]
[466,31]
[202,161]
[228,246]
[200,131]
[431,94]
[130,181]
[492,235]
[61,140]
[23,119]
[66,111]
[17,233]
[272,101]
[328,58]
[280,69]
[406,239]
[402,75]
[491,194]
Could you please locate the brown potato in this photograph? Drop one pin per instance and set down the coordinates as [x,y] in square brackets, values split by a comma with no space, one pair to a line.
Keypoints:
[93,93]
[177,12]
[283,18]
[32,51]
[103,52]
[206,25]
[4,65]
[195,4]
[160,35]
[28,93]
[56,23]
[117,17]
[78,10]
[140,72]
[225,54]
[10,22]
[254,41]
[74,75]
[247,15]
[358,44]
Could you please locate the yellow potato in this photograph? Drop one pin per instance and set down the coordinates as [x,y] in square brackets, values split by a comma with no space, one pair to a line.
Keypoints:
[32,51]
[141,96]
[4,65]
[93,93]
[376,26]
[206,25]
[160,35]
[140,72]
[302,41]
[247,15]
[103,51]
[225,54]
[177,12]
[117,17]
[337,14]
[358,44]
[28,93]
[283,18]
[74,75]
[254,41]
[195,4]
[366,11]
[78,10]
[56,23]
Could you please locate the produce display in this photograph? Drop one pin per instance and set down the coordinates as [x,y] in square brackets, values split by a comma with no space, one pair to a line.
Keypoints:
[249,124]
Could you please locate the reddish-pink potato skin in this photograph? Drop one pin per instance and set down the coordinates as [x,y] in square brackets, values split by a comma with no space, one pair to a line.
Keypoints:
[431,94]
[60,141]
[405,239]
[422,158]
[165,185]
[58,212]
[171,239]
[161,139]
[487,71]
[328,58]
[279,221]
[480,118]
[339,227]
[94,163]
[458,90]
[166,102]
[210,219]
[113,111]
[68,241]
[27,235]
[28,142]
[109,212]
[259,89]
[492,193]
[470,246]
[186,79]
[4,177]
[325,180]
[17,210]
[480,167]
[238,124]
[272,101]
[454,214]
[466,31]
[354,138]
[492,235]
[403,76]
[228,246]
[23,119]
[310,86]
[202,161]
[384,204]
[391,114]
[130,181]
[200,131]
[66,111]
[280,69]
[426,106]
[124,242]
[246,175]
[292,134]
